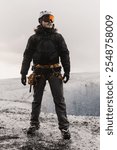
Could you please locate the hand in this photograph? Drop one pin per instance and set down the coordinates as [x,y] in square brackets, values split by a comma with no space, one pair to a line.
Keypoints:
[66,77]
[23,79]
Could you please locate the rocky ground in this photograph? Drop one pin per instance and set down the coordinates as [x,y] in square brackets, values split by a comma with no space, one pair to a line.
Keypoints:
[14,121]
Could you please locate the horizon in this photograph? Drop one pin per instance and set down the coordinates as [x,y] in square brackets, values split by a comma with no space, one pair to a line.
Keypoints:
[18,77]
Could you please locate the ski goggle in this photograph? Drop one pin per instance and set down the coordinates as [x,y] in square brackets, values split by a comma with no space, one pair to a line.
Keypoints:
[48,18]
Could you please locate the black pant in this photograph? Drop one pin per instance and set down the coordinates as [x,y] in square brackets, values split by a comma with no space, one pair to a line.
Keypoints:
[56,86]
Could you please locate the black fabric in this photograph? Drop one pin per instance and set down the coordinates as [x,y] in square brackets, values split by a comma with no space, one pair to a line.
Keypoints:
[56,86]
[23,79]
[46,46]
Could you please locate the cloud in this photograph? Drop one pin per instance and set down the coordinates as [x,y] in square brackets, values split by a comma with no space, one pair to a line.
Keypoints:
[77,21]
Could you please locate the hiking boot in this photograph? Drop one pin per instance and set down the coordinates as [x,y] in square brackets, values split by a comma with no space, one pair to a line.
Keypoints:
[65,134]
[32,129]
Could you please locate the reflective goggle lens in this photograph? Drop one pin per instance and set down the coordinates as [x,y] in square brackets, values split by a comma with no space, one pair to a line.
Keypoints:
[48,18]
[51,18]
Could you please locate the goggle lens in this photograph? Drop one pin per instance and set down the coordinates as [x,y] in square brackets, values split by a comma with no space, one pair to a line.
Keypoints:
[51,18]
[48,18]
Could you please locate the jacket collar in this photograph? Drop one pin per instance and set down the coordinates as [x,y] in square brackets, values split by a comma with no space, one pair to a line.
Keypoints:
[41,30]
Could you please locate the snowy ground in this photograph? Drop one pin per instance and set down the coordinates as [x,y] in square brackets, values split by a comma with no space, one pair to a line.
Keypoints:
[15,108]
[14,121]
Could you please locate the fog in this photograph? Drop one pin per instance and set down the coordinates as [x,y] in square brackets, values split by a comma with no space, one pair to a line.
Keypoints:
[82,94]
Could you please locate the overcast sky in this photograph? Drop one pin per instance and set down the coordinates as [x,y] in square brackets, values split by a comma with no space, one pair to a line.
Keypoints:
[76,20]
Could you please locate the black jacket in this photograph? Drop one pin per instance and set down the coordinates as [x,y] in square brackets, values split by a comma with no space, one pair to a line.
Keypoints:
[46,46]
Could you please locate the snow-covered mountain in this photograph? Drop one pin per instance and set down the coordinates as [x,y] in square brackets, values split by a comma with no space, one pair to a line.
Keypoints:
[82,94]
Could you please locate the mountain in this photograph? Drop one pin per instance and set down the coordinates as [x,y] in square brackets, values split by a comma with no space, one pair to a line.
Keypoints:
[82,94]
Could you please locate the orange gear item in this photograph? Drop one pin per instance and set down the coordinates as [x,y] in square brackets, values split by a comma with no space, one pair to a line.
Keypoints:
[51,17]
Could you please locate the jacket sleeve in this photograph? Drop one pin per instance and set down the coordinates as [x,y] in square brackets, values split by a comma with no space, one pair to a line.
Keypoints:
[27,56]
[64,54]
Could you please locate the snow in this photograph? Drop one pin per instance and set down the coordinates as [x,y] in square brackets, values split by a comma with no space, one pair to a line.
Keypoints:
[82,94]
[15,108]
[14,122]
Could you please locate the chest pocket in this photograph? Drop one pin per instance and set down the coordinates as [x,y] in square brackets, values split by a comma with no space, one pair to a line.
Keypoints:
[46,49]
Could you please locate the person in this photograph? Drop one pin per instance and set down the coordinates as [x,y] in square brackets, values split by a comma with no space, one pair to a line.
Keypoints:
[47,49]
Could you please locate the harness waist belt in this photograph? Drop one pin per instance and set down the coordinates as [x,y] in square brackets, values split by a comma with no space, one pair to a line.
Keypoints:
[47,66]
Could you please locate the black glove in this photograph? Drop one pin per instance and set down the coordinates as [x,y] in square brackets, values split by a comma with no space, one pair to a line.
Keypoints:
[23,79]
[66,77]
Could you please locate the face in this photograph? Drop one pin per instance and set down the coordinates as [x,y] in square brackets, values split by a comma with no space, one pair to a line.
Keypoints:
[47,24]
[47,21]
